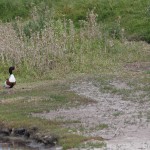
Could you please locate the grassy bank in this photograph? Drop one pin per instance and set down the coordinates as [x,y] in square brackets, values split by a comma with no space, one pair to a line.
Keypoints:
[134,15]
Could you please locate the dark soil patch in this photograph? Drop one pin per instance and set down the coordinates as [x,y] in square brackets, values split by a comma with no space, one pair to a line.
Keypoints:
[138,66]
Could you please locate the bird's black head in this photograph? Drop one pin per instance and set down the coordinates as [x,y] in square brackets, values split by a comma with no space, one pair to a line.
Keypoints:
[11,69]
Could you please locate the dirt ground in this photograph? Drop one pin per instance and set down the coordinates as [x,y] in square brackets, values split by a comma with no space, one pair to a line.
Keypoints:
[124,124]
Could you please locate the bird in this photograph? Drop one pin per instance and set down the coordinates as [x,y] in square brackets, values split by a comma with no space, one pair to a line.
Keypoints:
[11,81]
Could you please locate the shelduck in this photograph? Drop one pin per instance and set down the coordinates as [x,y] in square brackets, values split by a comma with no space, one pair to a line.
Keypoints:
[11,81]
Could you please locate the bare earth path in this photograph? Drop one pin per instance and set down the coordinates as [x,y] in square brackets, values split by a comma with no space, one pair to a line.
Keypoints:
[124,124]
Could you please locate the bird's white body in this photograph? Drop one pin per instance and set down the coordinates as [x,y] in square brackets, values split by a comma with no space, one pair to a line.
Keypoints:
[12,78]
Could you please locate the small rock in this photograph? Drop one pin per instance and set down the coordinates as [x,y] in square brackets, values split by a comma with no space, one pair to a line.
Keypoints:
[50,140]
[37,137]
[5,132]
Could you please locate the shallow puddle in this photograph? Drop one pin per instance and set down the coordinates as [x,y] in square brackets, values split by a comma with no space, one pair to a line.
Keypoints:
[16,145]
[7,145]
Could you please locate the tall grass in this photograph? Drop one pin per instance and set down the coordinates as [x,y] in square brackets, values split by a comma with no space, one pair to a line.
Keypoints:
[59,48]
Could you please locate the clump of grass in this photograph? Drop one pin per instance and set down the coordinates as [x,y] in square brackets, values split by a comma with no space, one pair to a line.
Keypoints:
[118,113]
[102,126]
[93,145]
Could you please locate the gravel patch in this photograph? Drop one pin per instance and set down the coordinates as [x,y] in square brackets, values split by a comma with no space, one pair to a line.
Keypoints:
[124,124]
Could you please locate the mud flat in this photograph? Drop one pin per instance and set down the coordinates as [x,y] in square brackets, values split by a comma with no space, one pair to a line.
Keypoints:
[122,123]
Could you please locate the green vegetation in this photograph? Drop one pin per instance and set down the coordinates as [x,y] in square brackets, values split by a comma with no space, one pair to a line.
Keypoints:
[61,39]
[132,15]
[92,145]
[11,9]
[59,48]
